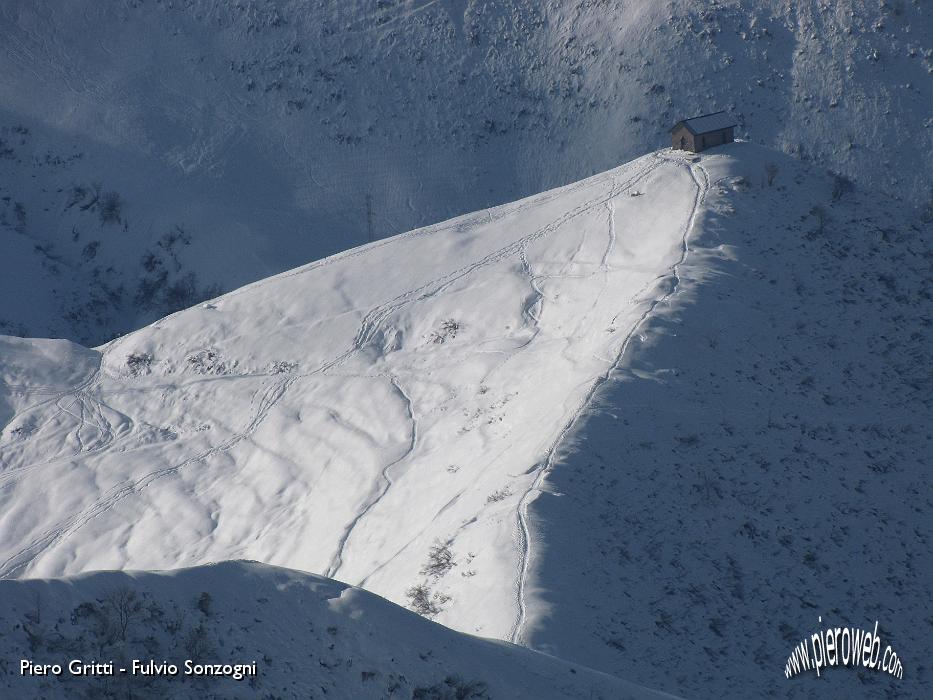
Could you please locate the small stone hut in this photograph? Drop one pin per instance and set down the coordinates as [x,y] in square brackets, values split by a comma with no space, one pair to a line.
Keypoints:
[699,133]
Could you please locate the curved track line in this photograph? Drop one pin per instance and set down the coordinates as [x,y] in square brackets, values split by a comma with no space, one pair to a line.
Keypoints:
[90,414]
[69,526]
[387,482]
[516,635]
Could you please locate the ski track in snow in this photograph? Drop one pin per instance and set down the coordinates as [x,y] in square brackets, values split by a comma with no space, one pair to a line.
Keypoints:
[87,405]
[520,248]
[337,561]
[524,533]
[69,526]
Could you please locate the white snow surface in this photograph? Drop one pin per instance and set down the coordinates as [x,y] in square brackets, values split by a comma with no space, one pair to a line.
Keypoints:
[347,416]
[309,637]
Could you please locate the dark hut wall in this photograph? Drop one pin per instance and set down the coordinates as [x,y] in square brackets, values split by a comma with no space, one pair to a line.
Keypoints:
[715,138]
[700,142]
[679,133]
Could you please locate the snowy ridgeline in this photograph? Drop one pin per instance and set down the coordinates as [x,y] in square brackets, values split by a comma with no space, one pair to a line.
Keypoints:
[309,637]
[153,154]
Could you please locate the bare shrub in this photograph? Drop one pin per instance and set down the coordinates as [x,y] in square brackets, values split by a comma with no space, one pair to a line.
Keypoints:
[124,607]
[771,171]
[99,623]
[139,363]
[111,206]
[841,186]
[451,688]
[76,195]
[89,252]
[440,560]
[448,331]
[741,183]
[197,643]
[499,495]
[208,361]
[425,602]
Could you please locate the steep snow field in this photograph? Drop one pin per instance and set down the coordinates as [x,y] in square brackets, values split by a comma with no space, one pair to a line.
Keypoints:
[376,416]
[309,637]
[155,153]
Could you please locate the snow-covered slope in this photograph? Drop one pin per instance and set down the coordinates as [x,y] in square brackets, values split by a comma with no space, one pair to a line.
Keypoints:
[416,416]
[376,416]
[152,153]
[308,637]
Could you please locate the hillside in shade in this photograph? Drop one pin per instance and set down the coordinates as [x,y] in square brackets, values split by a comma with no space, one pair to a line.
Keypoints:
[154,154]
[760,460]
[309,637]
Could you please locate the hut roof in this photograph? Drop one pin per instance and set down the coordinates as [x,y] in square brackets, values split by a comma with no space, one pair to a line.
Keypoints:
[707,122]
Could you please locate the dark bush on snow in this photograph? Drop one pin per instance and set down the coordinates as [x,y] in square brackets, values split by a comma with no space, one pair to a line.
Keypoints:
[451,688]
[111,206]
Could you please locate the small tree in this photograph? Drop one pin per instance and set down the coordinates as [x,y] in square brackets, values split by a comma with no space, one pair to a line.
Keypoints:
[440,560]
[424,602]
[926,216]
[35,615]
[197,643]
[124,608]
[20,212]
[110,207]
[819,213]
[841,185]
[771,171]
[204,603]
